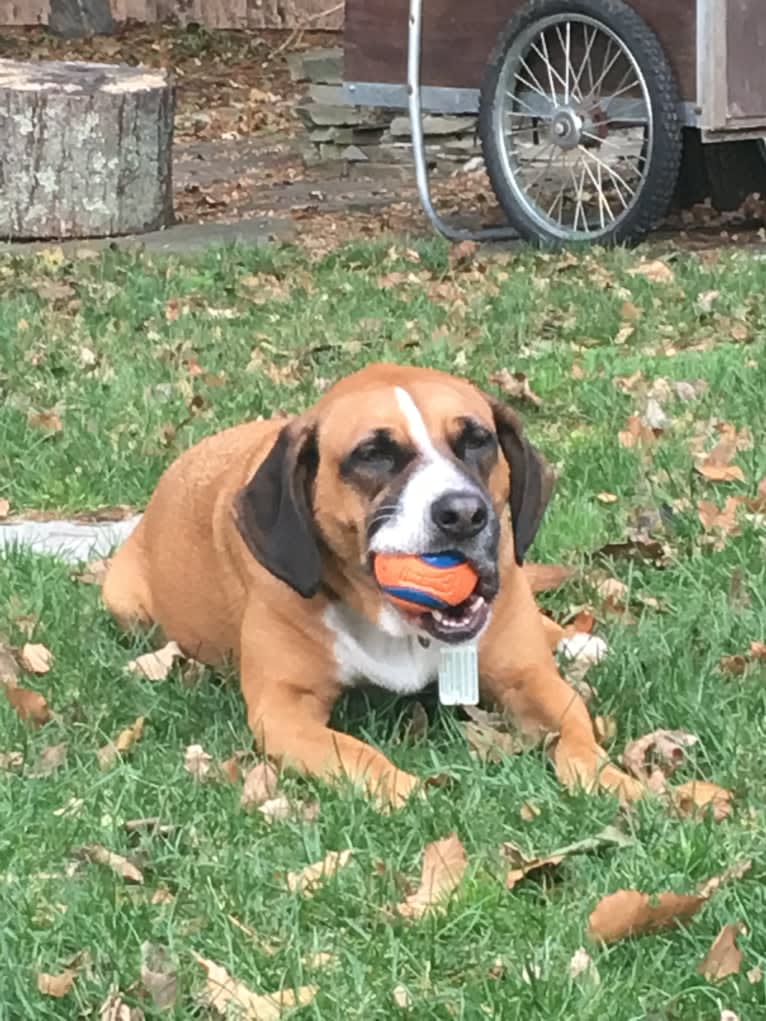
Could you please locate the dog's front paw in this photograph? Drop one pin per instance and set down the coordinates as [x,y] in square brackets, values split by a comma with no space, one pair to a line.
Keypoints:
[590,769]
[395,788]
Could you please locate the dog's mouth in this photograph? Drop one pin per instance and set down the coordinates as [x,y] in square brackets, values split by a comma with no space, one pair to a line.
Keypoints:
[455,624]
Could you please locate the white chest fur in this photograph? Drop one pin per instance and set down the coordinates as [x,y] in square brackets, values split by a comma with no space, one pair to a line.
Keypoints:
[364,651]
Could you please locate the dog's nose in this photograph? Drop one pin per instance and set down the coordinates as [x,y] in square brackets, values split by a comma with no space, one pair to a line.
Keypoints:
[460,514]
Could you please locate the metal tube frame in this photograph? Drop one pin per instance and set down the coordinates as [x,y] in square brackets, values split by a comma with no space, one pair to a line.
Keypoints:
[414,51]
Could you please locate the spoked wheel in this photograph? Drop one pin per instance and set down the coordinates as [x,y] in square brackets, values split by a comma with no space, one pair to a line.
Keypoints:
[579,122]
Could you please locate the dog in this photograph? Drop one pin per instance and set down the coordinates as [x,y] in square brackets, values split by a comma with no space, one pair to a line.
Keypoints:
[257,547]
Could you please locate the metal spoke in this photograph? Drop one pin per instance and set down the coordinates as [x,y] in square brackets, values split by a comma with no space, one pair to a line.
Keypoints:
[549,66]
[541,173]
[586,60]
[532,111]
[531,87]
[613,174]
[533,76]
[566,49]
[551,70]
[602,202]
[591,95]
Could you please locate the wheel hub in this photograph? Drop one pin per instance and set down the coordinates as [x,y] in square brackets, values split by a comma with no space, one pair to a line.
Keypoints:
[566,128]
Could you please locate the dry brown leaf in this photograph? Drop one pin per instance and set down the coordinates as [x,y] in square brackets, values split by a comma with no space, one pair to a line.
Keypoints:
[654,270]
[721,521]
[156,666]
[735,666]
[515,384]
[29,705]
[724,957]
[522,864]
[582,964]
[260,785]
[462,252]
[158,975]
[114,1008]
[5,508]
[122,743]
[613,593]
[11,760]
[636,433]
[490,744]
[529,811]
[660,751]
[605,728]
[444,862]
[73,807]
[124,868]
[607,497]
[282,808]
[9,670]
[402,997]
[56,985]
[48,421]
[51,759]
[545,577]
[222,992]
[631,913]
[735,871]
[198,762]
[758,650]
[754,975]
[36,658]
[94,572]
[321,959]
[416,727]
[721,472]
[307,880]
[698,796]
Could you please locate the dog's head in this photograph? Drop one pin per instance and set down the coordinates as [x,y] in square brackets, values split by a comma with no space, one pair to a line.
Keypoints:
[397,460]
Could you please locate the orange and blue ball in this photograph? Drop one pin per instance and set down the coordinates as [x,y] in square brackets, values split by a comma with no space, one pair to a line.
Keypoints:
[433,581]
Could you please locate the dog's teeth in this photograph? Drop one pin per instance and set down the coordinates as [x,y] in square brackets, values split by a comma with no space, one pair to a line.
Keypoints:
[438,615]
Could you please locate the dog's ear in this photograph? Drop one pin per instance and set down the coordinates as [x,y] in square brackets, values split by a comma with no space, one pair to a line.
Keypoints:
[273,512]
[532,478]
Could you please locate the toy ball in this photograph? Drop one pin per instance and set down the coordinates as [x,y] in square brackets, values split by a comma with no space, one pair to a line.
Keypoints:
[433,581]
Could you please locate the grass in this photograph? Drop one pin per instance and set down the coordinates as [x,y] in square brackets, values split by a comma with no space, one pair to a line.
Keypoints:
[139,358]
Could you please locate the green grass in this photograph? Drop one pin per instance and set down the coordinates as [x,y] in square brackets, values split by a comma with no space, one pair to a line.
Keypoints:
[100,349]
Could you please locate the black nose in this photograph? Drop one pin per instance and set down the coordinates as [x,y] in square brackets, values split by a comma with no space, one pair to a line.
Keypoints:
[460,514]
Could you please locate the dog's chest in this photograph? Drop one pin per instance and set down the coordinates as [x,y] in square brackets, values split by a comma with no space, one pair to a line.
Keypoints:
[366,652]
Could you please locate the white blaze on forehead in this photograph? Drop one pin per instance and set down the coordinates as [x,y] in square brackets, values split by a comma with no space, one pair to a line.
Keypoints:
[411,529]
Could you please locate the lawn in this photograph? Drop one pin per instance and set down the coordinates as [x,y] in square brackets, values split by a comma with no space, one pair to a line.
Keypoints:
[110,365]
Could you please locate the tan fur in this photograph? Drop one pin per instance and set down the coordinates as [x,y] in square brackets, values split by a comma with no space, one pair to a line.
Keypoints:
[187,569]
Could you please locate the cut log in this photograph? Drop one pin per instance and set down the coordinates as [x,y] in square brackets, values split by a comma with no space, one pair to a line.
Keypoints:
[86,150]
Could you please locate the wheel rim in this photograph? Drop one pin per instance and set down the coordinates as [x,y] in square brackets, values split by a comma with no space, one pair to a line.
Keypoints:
[573,125]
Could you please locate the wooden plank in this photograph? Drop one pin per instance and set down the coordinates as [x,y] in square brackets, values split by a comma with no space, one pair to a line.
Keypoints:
[287,14]
[23,12]
[745,65]
[458,39]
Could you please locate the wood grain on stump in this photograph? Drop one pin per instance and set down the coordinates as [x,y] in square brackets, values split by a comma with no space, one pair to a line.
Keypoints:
[86,150]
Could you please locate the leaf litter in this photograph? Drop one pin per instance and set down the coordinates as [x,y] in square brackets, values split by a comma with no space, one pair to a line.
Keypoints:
[222,992]
[522,865]
[724,957]
[308,880]
[444,863]
[124,741]
[156,666]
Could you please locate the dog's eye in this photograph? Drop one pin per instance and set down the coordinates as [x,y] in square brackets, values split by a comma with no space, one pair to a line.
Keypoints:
[477,439]
[375,457]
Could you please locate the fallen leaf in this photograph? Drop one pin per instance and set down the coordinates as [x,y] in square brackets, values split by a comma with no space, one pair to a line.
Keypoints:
[156,666]
[29,705]
[515,384]
[73,807]
[307,880]
[722,472]
[654,270]
[122,743]
[716,465]
[94,572]
[735,666]
[522,864]
[48,421]
[124,868]
[490,744]
[260,785]
[222,992]
[605,728]
[721,521]
[607,497]
[758,650]
[321,959]
[197,762]
[636,547]
[705,300]
[754,975]
[36,658]
[51,759]
[580,651]
[728,1015]
[282,808]
[402,997]
[462,252]
[636,433]
[158,975]
[9,670]
[114,1008]
[444,862]
[5,508]
[698,796]
[581,963]
[735,871]
[545,577]
[724,957]
[529,811]
[631,913]
[56,985]
[660,751]
[416,727]
[613,593]
[11,760]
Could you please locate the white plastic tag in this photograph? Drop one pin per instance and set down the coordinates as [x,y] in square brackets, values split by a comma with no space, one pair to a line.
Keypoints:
[459,675]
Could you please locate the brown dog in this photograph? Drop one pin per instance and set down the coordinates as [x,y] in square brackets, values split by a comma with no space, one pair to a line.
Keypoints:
[257,545]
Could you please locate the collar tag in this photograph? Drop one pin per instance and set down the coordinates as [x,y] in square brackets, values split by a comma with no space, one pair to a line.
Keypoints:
[459,674]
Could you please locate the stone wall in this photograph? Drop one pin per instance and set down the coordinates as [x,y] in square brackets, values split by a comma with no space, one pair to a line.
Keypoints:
[369,139]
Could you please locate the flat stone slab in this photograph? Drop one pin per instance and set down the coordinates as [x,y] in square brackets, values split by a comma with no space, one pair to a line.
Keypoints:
[72,541]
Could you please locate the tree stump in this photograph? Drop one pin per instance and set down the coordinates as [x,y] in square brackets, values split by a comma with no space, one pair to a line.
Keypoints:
[86,150]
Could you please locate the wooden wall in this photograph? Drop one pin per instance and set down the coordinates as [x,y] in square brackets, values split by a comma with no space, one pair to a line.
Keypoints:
[319,14]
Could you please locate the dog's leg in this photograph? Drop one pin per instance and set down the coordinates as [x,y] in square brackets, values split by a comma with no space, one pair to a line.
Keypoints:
[125,591]
[519,674]
[289,722]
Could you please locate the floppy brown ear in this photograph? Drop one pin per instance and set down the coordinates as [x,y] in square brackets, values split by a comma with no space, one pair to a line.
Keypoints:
[532,478]
[273,511]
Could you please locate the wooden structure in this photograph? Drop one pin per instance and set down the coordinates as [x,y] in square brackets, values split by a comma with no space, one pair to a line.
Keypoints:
[289,14]
[86,150]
